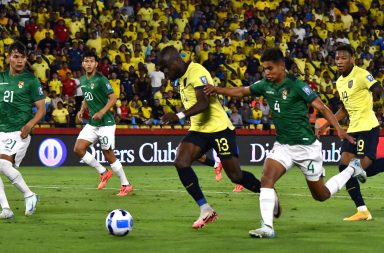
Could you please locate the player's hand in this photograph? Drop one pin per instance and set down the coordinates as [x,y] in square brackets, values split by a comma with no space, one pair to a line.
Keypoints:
[321,130]
[80,116]
[210,89]
[25,130]
[98,116]
[169,118]
[343,135]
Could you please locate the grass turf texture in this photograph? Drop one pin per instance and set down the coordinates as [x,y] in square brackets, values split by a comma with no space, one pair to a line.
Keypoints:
[71,215]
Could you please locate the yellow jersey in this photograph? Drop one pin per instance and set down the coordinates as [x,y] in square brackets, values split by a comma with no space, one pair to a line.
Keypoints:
[214,118]
[357,99]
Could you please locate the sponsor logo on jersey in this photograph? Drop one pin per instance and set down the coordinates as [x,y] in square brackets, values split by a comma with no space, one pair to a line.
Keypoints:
[350,84]
[204,79]
[307,90]
[21,84]
[284,94]
[270,92]
[370,78]
[92,85]
[109,87]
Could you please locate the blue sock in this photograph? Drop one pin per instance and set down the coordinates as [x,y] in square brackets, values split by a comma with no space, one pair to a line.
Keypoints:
[376,167]
[191,183]
[353,188]
[250,182]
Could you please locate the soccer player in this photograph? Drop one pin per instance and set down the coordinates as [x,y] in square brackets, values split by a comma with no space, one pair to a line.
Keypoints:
[99,99]
[210,128]
[357,89]
[20,90]
[296,144]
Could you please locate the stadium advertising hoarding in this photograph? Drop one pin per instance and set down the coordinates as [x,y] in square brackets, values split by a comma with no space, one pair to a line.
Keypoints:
[53,151]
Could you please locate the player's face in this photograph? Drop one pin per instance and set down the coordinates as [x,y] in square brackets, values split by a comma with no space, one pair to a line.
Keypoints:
[274,72]
[344,61]
[17,61]
[171,70]
[90,65]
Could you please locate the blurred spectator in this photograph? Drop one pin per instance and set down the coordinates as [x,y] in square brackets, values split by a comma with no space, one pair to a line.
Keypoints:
[157,78]
[69,86]
[60,116]
[236,118]
[55,84]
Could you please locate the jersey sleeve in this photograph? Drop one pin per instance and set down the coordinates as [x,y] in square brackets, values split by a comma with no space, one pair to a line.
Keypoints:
[365,79]
[305,91]
[200,77]
[106,86]
[257,88]
[36,90]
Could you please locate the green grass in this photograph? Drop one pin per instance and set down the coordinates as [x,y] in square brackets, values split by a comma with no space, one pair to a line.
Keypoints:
[71,215]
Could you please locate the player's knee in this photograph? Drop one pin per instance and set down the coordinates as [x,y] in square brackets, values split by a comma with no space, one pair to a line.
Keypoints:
[78,151]
[181,163]
[235,177]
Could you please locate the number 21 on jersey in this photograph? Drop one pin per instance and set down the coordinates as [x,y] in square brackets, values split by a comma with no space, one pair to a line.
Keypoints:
[8,96]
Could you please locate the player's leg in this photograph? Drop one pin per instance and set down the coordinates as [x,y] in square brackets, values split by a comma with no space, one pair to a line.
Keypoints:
[107,142]
[190,149]
[217,166]
[6,212]
[365,150]
[272,171]
[87,136]
[10,158]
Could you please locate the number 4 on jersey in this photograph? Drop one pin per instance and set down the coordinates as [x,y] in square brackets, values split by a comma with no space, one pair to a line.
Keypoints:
[276,107]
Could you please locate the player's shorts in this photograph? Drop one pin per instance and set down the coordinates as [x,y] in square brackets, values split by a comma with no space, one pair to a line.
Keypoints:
[307,157]
[104,134]
[366,143]
[223,142]
[11,144]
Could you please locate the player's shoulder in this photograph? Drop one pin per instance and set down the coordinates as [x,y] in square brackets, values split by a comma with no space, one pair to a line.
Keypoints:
[29,75]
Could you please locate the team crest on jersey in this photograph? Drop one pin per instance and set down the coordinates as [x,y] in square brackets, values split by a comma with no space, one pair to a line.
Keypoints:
[204,79]
[21,84]
[370,78]
[92,85]
[350,83]
[284,94]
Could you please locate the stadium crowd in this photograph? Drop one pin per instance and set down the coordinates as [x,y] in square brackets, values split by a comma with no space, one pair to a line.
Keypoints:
[226,37]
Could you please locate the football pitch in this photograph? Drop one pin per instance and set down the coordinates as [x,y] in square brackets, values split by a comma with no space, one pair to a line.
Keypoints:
[71,214]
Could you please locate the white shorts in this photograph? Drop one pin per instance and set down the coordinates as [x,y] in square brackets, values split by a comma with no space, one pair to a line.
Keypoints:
[104,134]
[12,144]
[307,157]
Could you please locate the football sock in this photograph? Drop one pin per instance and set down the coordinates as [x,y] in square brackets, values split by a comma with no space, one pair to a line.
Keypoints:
[335,183]
[376,167]
[15,177]
[362,208]
[91,161]
[353,188]
[250,182]
[3,198]
[267,204]
[209,162]
[119,171]
[191,183]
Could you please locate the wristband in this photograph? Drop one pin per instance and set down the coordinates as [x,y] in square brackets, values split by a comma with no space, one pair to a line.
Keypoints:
[180,115]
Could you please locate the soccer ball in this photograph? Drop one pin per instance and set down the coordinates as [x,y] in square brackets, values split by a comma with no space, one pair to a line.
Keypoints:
[119,222]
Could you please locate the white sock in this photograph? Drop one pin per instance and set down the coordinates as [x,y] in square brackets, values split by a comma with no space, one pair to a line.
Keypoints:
[267,204]
[15,177]
[216,164]
[205,209]
[3,198]
[119,171]
[362,208]
[335,183]
[91,161]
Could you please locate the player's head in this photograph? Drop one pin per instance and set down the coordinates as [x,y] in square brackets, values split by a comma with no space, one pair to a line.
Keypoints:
[273,63]
[17,57]
[344,58]
[90,62]
[171,63]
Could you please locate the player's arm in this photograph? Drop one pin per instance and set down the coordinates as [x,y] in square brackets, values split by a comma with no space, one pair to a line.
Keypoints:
[26,129]
[376,90]
[201,104]
[83,107]
[324,110]
[232,92]
[339,115]
[111,102]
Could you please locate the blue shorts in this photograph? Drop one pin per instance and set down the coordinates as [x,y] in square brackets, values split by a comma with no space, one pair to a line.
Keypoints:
[366,143]
[223,142]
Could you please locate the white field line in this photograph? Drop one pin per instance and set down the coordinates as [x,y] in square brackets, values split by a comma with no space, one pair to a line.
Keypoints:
[84,187]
